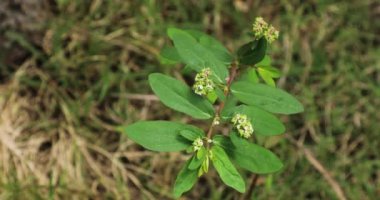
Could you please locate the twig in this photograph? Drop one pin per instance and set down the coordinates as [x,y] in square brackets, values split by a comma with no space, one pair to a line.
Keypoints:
[320,168]
[233,72]
[252,186]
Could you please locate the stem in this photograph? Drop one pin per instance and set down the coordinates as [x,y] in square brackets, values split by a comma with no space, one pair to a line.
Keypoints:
[233,72]
[252,186]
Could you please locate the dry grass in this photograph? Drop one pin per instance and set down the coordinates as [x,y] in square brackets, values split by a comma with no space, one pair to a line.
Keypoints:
[72,72]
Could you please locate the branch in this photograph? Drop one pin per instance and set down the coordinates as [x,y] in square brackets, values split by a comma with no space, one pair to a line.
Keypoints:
[233,72]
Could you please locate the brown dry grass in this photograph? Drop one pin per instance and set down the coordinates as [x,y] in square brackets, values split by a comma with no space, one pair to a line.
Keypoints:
[65,90]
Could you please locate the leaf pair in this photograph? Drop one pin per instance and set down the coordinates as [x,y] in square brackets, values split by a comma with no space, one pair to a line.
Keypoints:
[266,71]
[254,53]
[187,177]
[166,136]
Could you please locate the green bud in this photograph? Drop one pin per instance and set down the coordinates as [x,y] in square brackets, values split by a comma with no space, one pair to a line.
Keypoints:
[197,144]
[203,84]
[216,120]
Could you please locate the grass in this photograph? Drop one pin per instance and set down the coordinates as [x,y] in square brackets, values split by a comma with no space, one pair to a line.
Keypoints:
[70,72]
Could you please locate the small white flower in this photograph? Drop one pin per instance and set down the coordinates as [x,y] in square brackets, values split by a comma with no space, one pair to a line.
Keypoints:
[203,84]
[271,34]
[242,125]
[197,144]
[259,27]
[262,29]
[216,120]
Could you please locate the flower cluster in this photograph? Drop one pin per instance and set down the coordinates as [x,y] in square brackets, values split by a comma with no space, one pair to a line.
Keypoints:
[262,29]
[243,125]
[203,84]
[197,144]
[216,120]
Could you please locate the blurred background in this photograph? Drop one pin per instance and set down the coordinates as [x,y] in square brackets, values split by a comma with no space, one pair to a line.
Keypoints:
[72,71]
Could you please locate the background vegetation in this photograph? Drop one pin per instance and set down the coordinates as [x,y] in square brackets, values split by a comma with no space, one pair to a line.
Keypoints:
[72,71]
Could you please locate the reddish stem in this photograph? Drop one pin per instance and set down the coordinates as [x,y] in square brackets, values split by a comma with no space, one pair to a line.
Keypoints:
[233,72]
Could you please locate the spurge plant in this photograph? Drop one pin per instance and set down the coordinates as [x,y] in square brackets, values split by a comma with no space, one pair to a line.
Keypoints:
[226,90]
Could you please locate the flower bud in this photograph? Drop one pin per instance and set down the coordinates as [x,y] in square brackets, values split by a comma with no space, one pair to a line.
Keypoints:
[259,27]
[242,125]
[203,84]
[271,34]
[197,144]
[262,29]
[216,120]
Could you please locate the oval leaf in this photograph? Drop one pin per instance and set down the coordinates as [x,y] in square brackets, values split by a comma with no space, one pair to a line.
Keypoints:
[212,43]
[250,156]
[249,75]
[267,77]
[252,52]
[266,61]
[159,135]
[226,170]
[196,55]
[185,180]
[269,98]
[191,135]
[178,96]
[217,48]
[169,55]
[273,72]
[196,162]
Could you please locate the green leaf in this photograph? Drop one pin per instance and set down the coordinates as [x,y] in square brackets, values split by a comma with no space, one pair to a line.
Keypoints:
[201,152]
[220,94]
[263,122]
[195,163]
[265,62]
[169,55]
[252,52]
[216,47]
[187,70]
[267,77]
[191,135]
[196,160]
[229,105]
[159,135]
[212,97]
[196,55]
[249,75]
[273,72]
[226,170]
[249,156]
[185,180]
[178,96]
[205,165]
[269,98]
[210,42]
